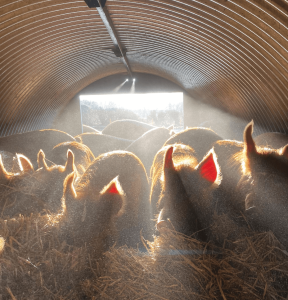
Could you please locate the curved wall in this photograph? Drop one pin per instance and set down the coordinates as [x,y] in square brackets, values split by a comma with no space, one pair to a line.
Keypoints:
[228,54]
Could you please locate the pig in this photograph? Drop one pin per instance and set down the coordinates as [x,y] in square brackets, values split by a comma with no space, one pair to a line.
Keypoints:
[10,162]
[199,138]
[83,156]
[187,193]
[86,128]
[25,168]
[231,170]
[127,129]
[29,143]
[263,187]
[134,181]
[148,144]
[180,153]
[9,180]
[89,218]
[274,140]
[101,143]
[34,191]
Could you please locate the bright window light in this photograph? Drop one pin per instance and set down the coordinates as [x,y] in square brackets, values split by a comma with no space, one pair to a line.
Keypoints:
[151,101]
[158,109]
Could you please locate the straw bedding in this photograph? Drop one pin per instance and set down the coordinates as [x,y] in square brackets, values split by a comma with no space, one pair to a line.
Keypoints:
[34,264]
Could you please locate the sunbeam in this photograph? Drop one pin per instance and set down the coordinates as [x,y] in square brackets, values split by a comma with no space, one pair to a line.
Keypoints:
[132,90]
[119,86]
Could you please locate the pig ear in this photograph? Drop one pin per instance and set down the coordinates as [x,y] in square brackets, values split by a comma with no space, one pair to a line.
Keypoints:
[24,163]
[249,144]
[68,187]
[209,168]
[41,160]
[3,172]
[69,166]
[168,161]
[284,151]
[249,203]
[113,192]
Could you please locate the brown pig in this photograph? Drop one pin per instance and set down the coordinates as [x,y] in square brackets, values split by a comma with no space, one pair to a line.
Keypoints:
[231,174]
[133,179]
[9,180]
[263,187]
[180,153]
[187,193]
[83,156]
[29,143]
[101,143]
[90,219]
[34,191]
[146,146]
[198,138]
[25,168]
[10,161]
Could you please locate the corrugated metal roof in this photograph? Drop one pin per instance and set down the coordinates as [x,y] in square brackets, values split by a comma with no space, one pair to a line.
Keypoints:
[230,54]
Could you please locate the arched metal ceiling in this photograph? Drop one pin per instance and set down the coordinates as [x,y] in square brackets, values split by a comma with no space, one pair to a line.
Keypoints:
[230,54]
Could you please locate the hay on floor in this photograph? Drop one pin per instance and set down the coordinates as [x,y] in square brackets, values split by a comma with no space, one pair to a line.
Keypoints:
[36,265]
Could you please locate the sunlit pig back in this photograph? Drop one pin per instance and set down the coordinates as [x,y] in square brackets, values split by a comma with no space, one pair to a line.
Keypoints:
[199,138]
[146,146]
[274,140]
[127,129]
[133,179]
[83,156]
[102,143]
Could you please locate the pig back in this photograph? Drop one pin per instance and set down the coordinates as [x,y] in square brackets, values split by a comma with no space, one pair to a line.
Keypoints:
[198,138]
[134,182]
[273,140]
[83,156]
[101,143]
[87,128]
[127,129]
[29,143]
[149,144]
